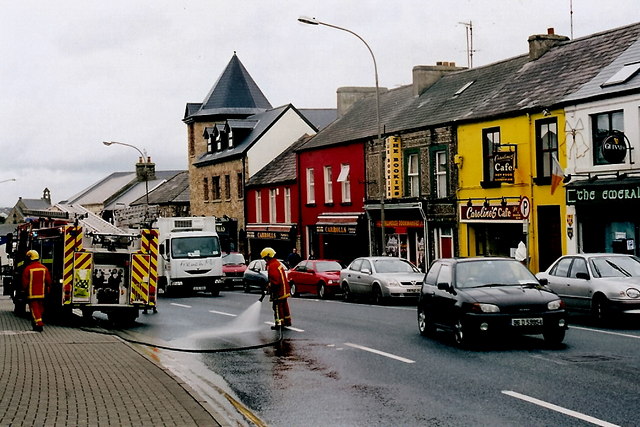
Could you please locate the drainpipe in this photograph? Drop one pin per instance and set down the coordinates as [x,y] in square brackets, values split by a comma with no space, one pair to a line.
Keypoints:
[427,251]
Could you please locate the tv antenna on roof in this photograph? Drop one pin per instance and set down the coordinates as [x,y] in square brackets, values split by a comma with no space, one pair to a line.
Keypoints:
[469,28]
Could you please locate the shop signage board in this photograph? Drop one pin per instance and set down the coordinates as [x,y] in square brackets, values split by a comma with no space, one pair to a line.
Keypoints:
[504,167]
[604,193]
[498,213]
[270,235]
[393,167]
[336,229]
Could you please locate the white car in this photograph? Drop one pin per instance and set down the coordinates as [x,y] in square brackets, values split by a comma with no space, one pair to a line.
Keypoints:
[381,278]
[600,283]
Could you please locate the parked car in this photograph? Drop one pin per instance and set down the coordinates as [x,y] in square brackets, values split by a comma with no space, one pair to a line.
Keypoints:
[233,267]
[601,284]
[255,276]
[318,276]
[381,278]
[475,298]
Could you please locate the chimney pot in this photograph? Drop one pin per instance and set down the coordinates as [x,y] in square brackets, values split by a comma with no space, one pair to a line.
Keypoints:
[550,30]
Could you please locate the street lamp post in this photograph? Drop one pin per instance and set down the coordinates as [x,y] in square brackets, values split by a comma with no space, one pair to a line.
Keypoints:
[7,180]
[383,181]
[146,174]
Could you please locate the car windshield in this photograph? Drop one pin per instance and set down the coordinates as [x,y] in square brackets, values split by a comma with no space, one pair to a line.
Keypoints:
[475,274]
[323,266]
[394,265]
[615,266]
[233,259]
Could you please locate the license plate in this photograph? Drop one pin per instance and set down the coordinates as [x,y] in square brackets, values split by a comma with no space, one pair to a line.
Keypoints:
[413,291]
[535,321]
[199,288]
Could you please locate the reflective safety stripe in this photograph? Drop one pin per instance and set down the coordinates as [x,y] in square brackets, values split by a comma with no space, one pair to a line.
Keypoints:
[139,279]
[72,243]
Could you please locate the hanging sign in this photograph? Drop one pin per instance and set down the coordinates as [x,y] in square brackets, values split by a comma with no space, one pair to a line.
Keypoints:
[504,167]
[393,167]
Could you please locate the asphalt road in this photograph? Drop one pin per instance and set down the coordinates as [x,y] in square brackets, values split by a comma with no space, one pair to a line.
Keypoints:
[353,364]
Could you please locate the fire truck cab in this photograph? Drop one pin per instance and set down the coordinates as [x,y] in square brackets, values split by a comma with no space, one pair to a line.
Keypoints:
[94,265]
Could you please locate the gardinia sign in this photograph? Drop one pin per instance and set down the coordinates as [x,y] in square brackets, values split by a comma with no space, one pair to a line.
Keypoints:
[614,147]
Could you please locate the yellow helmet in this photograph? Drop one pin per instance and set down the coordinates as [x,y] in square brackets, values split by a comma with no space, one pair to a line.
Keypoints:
[33,255]
[268,252]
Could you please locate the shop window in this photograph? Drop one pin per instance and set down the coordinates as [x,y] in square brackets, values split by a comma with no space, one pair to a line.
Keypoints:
[227,187]
[412,166]
[490,143]
[328,185]
[273,193]
[258,206]
[546,149]
[602,126]
[205,189]
[345,183]
[215,184]
[311,188]
[440,171]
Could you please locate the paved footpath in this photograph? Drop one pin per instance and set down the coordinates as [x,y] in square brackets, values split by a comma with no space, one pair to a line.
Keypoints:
[66,376]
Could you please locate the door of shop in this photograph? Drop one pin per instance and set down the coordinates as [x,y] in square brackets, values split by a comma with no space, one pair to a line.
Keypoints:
[549,240]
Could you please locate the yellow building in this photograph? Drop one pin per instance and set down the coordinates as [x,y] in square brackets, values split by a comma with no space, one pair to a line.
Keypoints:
[505,187]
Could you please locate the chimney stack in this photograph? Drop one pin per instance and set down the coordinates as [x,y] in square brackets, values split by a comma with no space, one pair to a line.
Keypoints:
[424,76]
[539,44]
[347,96]
[145,170]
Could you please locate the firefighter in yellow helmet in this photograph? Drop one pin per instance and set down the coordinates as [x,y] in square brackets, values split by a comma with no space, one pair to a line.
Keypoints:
[36,281]
[278,289]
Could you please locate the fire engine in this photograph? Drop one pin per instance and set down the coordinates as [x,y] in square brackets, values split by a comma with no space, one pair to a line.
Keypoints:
[94,265]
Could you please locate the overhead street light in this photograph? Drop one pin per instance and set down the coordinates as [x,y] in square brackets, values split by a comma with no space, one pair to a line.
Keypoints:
[146,173]
[383,180]
[7,180]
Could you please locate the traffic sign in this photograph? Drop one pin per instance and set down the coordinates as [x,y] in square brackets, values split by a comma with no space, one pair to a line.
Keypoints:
[525,207]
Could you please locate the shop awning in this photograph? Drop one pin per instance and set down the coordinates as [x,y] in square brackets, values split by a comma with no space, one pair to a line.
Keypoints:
[343,218]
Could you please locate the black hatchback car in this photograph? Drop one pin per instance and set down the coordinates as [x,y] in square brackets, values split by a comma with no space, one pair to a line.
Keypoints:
[477,297]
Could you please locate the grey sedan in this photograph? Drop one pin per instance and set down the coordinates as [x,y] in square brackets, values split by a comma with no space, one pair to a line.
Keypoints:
[602,284]
[381,278]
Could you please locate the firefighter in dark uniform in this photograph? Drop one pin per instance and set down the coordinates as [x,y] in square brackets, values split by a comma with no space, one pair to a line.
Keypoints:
[278,289]
[36,281]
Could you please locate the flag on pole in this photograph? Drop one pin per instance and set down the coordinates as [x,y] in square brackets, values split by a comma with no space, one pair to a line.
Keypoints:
[557,175]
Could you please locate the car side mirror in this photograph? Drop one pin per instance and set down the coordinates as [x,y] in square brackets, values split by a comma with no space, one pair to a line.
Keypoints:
[161,249]
[444,287]
[365,271]
[544,281]
[582,275]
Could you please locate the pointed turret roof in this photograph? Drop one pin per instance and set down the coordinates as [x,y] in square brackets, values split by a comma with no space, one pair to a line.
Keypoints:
[234,93]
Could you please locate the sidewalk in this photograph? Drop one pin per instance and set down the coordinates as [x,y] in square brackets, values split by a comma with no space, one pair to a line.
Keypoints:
[65,376]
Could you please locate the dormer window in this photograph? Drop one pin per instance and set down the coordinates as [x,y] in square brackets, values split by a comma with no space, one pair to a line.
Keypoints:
[229,133]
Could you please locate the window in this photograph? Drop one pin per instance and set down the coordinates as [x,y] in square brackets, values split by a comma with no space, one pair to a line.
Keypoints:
[345,183]
[579,266]
[258,206]
[328,185]
[546,148]
[209,143]
[287,205]
[227,187]
[440,172]
[205,189]
[413,174]
[603,126]
[192,141]
[215,183]
[273,193]
[562,267]
[490,142]
[311,190]
[218,140]
[240,184]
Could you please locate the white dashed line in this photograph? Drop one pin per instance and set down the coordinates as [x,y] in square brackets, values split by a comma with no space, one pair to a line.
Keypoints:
[560,409]
[381,353]
[223,313]
[180,305]
[606,332]
[291,328]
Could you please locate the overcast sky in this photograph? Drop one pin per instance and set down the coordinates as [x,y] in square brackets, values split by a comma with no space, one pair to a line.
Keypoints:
[76,72]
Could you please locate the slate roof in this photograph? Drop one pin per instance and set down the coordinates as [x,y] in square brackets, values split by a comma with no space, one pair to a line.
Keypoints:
[175,190]
[234,93]
[36,204]
[260,123]
[281,169]
[320,117]
[514,85]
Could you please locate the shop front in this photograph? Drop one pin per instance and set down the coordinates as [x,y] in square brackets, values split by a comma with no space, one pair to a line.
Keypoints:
[282,238]
[339,236]
[602,215]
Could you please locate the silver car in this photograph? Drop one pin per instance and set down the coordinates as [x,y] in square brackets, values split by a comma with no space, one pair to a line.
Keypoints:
[381,278]
[599,283]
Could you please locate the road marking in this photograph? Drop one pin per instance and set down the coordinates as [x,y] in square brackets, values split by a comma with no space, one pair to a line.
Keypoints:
[180,305]
[223,313]
[606,332]
[291,328]
[381,353]
[560,409]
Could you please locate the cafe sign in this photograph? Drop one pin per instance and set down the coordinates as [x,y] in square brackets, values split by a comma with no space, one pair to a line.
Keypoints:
[482,213]
[504,167]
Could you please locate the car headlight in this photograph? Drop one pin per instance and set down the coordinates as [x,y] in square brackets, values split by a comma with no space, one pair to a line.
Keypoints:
[633,293]
[485,308]
[393,282]
[555,305]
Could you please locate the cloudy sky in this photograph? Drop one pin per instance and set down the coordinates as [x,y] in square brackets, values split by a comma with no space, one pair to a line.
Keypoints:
[76,72]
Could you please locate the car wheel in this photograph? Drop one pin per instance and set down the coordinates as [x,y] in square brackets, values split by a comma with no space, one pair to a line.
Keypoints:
[322,291]
[425,324]
[599,308]
[554,336]
[293,289]
[346,293]
[376,295]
